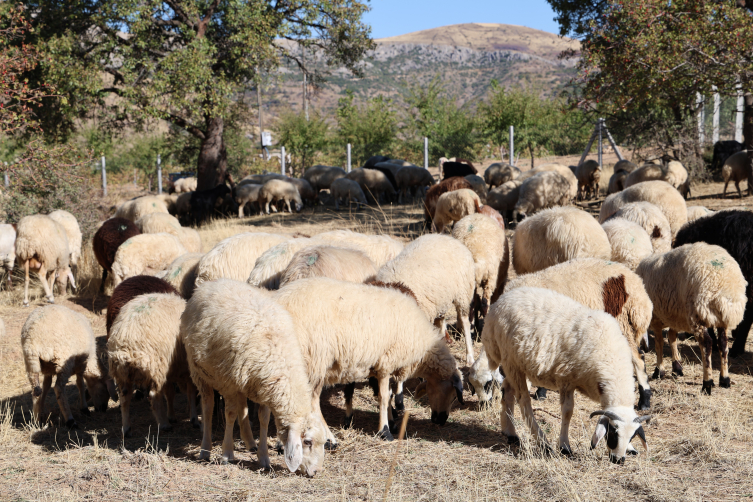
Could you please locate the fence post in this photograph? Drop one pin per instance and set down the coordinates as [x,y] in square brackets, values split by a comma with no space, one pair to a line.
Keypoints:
[512,145]
[715,119]
[601,139]
[5,176]
[104,177]
[426,153]
[701,118]
[739,115]
[159,174]
[282,160]
[348,157]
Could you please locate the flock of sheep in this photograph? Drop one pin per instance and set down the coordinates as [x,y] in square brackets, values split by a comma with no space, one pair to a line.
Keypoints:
[275,318]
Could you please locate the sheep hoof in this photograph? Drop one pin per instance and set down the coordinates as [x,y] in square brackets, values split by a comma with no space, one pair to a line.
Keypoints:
[330,446]
[204,455]
[127,432]
[513,440]
[26,304]
[677,368]
[540,394]
[85,411]
[254,449]
[706,388]
[400,402]
[348,422]
[724,382]
[644,399]
[385,434]
[265,464]
[657,374]
[226,460]
[50,300]
[71,424]
[566,451]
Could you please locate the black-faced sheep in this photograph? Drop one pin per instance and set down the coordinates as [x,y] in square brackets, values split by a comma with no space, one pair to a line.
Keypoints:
[108,239]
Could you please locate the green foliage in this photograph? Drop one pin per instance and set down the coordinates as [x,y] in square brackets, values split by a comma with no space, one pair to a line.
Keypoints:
[302,138]
[576,16]
[370,128]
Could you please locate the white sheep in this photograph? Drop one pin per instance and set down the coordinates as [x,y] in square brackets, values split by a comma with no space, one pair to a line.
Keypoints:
[8,249]
[541,191]
[56,341]
[660,193]
[372,182]
[72,232]
[349,332]
[329,261]
[563,171]
[736,169]
[42,245]
[649,172]
[413,177]
[694,287]
[145,351]
[454,206]
[304,189]
[183,185]
[379,248]
[136,208]
[321,177]
[181,273]
[247,194]
[653,221]
[347,189]
[272,263]
[235,257]
[680,177]
[589,175]
[478,185]
[497,174]
[557,235]
[155,223]
[557,343]
[695,212]
[630,243]
[280,190]
[145,254]
[245,346]
[441,273]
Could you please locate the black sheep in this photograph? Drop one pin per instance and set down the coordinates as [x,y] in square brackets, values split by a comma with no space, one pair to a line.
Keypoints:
[452,169]
[732,230]
[722,151]
[204,202]
[106,241]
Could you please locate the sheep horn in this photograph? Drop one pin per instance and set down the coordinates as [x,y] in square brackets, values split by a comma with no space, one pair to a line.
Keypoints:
[610,415]
[642,419]
[458,384]
[642,436]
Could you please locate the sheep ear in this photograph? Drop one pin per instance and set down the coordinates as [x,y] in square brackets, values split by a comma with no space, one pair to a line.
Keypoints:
[293,449]
[420,390]
[600,432]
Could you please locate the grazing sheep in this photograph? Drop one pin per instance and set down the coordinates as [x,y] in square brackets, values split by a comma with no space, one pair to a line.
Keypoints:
[617,182]
[557,343]
[388,170]
[441,273]
[453,206]
[413,177]
[497,174]
[563,171]
[57,341]
[145,254]
[171,201]
[304,189]
[247,194]
[374,160]
[108,239]
[379,248]
[8,249]
[272,263]
[321,177]
[625,165]
[589,175]
[372,182]
[478,185]
[181,274]
[234,257]
[680,178]
[433,194]
[737,169]
[42,245]
[695,212]
[452,169]
[145,350]
[653,221]
[244,345]
[280,190]
[505,197]
[329,261]
[72,232]
[694,287]
[155,223]
[136,208]
[659,193]
[184,185]
[349,332]
[493,214]
[130,289]
[648,172]
[541,191]
[630,243]
[732,230]
[204,203]
[555,236]
[344,188]
[183,204]
[723,150]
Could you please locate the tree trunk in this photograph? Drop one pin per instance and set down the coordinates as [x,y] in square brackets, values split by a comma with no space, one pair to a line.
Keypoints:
[212,162]
[531,150]
[748,136]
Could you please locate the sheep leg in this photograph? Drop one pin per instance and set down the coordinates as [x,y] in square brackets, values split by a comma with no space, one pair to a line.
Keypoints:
[399,397]
[125,393]
[227,443]
[158,409]
[287,203]
[207,408]
[266,207]
[331,443]
[740,333]
[676,364]
[240,209]
[384,403]
[348,391]
[243,422]
[337,203]
[644,390]
[191,393]
[657,328]
[38,401]
[567,402]
[103,281]
[263,452]
[465,325]
[524,402]
[507,413]
[724,358]
[169,392]
[81,396]
[705,344]
[65,409]
[26,283]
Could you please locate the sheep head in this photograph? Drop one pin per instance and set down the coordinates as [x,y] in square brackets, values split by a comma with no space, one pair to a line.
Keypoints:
[620,425]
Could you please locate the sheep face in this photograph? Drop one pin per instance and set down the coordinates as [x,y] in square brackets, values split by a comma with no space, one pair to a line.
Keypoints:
[482,379]
[619,425]
[441,394]
[98,390]
[304,446]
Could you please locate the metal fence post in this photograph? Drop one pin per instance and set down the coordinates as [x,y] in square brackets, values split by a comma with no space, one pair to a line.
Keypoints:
[715,117]
[104,177]
[426,153]
[739,115]
[282,160]
[5,176]
[348,157]
[601,139]
[159,174]
[512,145]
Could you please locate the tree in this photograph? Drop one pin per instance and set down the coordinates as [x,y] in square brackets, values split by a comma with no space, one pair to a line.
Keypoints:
[184,60]
[302,138]
[370,128]
[575,17]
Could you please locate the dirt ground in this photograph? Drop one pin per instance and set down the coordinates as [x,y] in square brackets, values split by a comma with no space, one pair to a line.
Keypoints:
[700,447]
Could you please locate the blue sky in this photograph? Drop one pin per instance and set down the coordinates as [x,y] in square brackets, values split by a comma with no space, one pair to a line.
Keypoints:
[397,17]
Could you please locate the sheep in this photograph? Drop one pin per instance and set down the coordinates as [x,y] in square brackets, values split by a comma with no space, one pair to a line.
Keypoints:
[8,249]
[374,160]
[108,239]
[737,168]
[272,263]
[505,197]
[136,208]
[329,261]
[372,182]
[648,172]
[204,203]
[659,193]
[695,212]
[653,221]
[145,254]
[732,230]
[723,150]
[171,201]
[56,341]
[379,248]
[453,206]
[72,232]
[181,274]
[625,165]
[388,170]
[234,257]
[617,182]
[130,289]
[145,350]
[452,169]
[349,190]
[541,191]
[304,189]
[183,204]
[497,174]
[433,194]
[441,273]
[410,177]
[348,332]
[630,243]
[321,177]
[280,190]
[42,245]
[184,185]
[247,194]
[156,223]
[563,171]
[680,178]
[486,241]
[493,214]
[557,343]
[244,345]
[694,287]
[589,175]
[478,185]
[557,235]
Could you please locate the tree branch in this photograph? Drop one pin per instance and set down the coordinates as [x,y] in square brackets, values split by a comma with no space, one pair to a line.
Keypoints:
[205,22]
[183,123]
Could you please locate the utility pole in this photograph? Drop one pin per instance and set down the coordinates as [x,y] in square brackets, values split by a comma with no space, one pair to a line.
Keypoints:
[261,121]
[715,121]
[739,115]
[701,118]
[159,175]
[305,98]
[512,145]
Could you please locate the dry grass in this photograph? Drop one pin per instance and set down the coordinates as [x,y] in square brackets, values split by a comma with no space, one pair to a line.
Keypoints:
[701,448]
